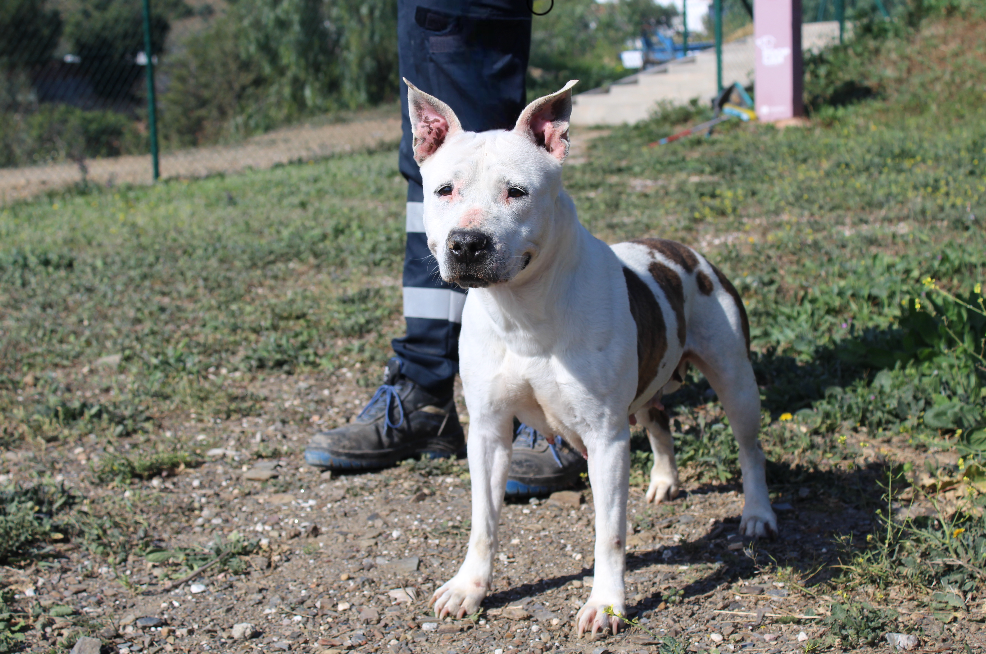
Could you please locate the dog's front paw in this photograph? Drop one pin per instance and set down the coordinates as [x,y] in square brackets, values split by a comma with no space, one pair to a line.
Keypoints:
[459,597]
[663,487]
[593,617]
[758,522]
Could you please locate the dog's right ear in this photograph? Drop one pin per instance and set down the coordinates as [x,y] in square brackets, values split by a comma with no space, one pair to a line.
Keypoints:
[432,122]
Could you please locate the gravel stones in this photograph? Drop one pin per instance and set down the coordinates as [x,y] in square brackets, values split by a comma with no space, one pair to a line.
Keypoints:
[149,622]
[405,566]
[87,645]
[904,642]
[515,613]
[568,499]
[244,631]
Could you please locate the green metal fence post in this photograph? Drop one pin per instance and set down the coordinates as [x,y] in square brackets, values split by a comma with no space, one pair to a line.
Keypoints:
[718,21]
[840,15]
[151,104]
[684,23]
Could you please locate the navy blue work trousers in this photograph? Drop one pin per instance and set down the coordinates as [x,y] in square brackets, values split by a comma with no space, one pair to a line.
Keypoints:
[472,55]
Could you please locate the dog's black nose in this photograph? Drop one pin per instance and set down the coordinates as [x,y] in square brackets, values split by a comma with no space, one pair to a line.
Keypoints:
[468,246]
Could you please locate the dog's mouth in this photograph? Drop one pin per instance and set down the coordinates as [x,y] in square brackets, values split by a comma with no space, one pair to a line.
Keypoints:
[471,281]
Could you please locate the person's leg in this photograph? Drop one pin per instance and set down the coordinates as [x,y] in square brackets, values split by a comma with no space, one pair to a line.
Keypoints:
[472,55]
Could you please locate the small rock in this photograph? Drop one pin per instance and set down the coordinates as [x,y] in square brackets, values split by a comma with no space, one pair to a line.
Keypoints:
[600,650]
[195,589]
[776,592]
[401,595]
[28,380]
[420,497]
[735,547]
[770,637]
[750,590]
[281,498]
[575,583]
[259,474]
[405,566]
[220,451]
[902,641]
[128,618]
[570,499]
[244,631]
[802,637]
[515,613]
[108,633]
[343,606]
[358,639]
[429,626]
[450,628]
[149,622]
[588,581]
[281,645]
[87,645]
[369,614]
[109,361]
[716,638]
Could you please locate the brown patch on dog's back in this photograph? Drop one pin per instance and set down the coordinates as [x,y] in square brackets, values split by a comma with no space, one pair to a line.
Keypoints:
[670,283]
[652,341]
[660,417]
[705,286]
[733,293]
[673,251]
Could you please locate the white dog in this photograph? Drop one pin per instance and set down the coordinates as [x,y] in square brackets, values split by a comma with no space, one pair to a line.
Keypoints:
[570,335]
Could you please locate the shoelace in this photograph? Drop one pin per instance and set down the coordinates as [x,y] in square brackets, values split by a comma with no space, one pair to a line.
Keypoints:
[533,436]
[389,393]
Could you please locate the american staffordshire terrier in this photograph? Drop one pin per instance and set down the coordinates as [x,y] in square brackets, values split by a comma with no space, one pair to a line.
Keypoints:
[572,336]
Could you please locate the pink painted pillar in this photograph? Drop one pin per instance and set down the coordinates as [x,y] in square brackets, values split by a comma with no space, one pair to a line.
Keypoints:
[779,74]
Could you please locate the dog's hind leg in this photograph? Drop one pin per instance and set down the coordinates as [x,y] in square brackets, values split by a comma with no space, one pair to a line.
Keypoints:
[664,484]
[489,460]
[731,376]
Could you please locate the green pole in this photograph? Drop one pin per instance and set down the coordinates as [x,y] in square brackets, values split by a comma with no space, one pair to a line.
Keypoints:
[821,10]
[883,9]
[840,15]
[151,104]
[684,21]
[718,20]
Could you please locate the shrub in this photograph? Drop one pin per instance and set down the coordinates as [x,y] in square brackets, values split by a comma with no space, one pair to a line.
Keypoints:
[60,132]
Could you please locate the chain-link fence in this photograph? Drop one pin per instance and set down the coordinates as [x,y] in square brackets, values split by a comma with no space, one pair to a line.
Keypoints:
[74,97]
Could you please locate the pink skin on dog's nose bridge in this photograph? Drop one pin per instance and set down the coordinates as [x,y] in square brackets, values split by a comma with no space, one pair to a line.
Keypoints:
[471,218]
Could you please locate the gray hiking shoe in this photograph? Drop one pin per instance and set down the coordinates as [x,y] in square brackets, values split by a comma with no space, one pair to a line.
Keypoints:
[540,466]
[401,421]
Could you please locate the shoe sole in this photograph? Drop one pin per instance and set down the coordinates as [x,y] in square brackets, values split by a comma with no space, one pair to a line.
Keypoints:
[323,459]
[517,490]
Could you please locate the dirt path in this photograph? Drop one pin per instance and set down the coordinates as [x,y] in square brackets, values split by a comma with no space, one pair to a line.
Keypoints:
[261,152]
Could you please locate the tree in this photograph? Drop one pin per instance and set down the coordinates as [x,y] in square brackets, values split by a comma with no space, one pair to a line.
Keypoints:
[29,33]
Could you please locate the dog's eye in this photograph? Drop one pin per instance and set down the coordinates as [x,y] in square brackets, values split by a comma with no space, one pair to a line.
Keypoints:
[516,192]
[445,191]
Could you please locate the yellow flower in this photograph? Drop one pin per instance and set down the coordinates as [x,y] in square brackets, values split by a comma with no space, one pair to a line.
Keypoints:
[978,288]
[842,439]
[786,416]
[958,532]
[917,304]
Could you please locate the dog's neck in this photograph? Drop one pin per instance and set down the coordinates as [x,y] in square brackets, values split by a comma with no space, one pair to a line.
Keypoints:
[547,291]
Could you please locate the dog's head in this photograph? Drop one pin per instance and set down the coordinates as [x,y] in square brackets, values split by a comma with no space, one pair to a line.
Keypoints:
[489,197]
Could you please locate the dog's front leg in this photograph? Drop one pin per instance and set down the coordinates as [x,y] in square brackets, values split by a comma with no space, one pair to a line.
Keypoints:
[609,474]
[489,460]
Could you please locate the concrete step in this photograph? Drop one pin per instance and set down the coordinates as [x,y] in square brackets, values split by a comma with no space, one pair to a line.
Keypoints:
[633,98]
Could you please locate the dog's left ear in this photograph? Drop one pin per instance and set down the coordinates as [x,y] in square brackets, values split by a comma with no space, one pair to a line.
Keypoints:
[545,121]
[432,122]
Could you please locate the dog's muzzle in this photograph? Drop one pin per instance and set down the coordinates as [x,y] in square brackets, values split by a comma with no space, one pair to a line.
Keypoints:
[470,258]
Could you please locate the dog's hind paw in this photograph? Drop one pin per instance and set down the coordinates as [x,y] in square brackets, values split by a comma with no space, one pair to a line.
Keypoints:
[758,523]
[594,618]
[662,488]
[459,597]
